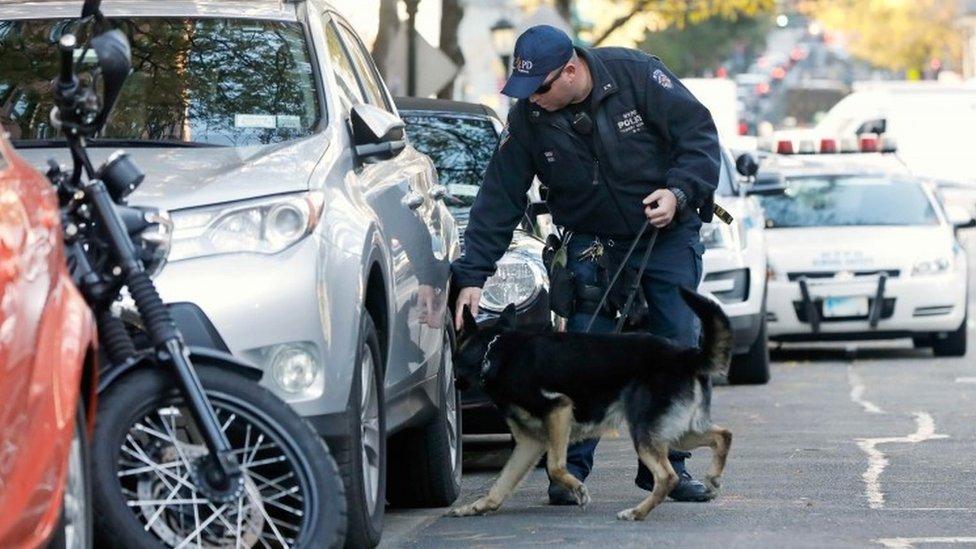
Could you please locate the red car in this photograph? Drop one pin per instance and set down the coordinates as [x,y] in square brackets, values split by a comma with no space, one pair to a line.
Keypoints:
[47,367]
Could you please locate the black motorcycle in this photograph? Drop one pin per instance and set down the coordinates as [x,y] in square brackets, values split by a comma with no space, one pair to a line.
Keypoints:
[183,453]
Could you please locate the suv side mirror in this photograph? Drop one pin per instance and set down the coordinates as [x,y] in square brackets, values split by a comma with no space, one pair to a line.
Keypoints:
[747,165]
[376,134]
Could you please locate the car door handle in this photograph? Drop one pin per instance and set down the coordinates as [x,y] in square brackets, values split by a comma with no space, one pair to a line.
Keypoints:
[437,192]
[412,200]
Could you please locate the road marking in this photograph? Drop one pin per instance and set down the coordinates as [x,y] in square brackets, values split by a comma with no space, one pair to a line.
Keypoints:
[908,543]
[877,461]
[857,392]
[966,380]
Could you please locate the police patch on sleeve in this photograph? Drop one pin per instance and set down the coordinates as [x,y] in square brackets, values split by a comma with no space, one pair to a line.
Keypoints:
[663,79]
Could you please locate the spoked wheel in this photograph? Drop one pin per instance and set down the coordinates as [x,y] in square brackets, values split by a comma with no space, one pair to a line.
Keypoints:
[149,458]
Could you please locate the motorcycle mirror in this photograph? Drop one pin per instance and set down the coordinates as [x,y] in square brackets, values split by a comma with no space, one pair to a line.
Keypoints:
[91,7]
[114,60]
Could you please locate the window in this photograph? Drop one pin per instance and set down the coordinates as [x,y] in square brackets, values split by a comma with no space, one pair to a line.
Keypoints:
[460,148]
[349,88]
[217,81]
[364,67]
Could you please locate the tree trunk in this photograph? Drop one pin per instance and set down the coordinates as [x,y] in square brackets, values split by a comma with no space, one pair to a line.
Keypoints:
[387,31]
[452,11]
[564,7]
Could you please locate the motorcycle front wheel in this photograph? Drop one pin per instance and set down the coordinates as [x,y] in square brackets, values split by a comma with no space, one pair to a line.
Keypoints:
[146,452]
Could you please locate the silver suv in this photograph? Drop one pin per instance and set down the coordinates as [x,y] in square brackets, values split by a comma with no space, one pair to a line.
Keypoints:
[309,237]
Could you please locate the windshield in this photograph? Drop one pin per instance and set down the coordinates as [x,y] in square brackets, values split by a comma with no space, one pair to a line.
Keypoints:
[215,81]
[848,201]
[459,147]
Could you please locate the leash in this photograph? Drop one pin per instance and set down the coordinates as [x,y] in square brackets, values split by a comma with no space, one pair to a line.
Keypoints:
[633,290]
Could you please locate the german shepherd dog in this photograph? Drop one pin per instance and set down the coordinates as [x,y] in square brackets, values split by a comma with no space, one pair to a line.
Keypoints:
[556,387]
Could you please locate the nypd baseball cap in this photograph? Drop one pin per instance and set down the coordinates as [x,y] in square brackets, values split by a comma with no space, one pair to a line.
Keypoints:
[538,51]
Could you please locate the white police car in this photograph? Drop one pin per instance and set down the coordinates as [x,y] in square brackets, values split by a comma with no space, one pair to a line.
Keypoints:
[734,266]
[862,250]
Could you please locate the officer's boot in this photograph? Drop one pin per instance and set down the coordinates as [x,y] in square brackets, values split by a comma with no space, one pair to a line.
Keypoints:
[687,489]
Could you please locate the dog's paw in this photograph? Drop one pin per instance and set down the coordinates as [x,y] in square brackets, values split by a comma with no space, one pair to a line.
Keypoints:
[629,514]
[582,495]
[479,507]
[713,484]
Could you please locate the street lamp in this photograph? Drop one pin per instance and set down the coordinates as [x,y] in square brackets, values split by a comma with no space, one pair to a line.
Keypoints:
[503,39]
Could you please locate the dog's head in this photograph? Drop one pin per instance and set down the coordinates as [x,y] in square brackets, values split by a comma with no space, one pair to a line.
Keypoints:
[472,345]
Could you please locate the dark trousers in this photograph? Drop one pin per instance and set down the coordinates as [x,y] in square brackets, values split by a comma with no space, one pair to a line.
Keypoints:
[676,260]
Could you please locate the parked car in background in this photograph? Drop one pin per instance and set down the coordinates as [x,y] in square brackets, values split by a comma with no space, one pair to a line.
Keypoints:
[47,353]
[857,251]
[734,273]
[309,238]
[460,138]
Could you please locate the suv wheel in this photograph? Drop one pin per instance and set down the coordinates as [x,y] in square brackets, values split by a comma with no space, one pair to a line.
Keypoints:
[362,457]
[752,368]
[427,468]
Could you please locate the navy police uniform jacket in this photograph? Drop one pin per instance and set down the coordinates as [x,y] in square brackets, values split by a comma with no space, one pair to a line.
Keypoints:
[649,132]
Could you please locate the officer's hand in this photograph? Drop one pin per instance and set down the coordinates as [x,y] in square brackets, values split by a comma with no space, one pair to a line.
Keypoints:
[660,207]
[469,296]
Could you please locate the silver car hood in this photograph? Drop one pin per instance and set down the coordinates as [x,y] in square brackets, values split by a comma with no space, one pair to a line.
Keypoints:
[178,178]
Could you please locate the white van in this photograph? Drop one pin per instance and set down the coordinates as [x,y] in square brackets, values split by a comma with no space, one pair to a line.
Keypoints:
[931,122]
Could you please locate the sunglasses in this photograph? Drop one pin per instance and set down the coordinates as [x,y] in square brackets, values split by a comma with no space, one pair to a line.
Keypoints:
[546,86]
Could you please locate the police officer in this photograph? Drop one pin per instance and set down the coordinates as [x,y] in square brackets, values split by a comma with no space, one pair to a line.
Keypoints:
[618,141]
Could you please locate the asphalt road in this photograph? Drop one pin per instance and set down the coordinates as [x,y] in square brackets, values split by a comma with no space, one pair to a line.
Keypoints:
[866,445]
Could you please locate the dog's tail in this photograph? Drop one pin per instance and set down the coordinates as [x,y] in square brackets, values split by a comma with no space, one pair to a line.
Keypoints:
[717,335]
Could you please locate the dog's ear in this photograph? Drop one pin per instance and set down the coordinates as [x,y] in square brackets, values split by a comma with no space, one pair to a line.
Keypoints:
[470,326]
[507,319]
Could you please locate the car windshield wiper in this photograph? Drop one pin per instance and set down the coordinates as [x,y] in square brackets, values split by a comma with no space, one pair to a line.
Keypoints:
[38,143]
[110,142]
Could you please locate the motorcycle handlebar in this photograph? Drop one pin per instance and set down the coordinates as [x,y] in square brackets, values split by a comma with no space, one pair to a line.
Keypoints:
[67,46]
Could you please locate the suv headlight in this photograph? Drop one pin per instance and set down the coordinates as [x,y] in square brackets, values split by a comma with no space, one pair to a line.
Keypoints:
[519,278]
[931,266]
[264,226]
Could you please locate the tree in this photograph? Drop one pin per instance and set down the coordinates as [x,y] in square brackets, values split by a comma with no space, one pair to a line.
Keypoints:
[894,34]
[452,11]
[698,47]
[388,27]
[625,22]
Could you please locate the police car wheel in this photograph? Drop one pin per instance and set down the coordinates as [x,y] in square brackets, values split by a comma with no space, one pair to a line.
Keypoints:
[752,367]
[953,343]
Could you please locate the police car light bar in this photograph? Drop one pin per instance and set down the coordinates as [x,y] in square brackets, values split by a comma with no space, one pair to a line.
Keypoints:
[866,143]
